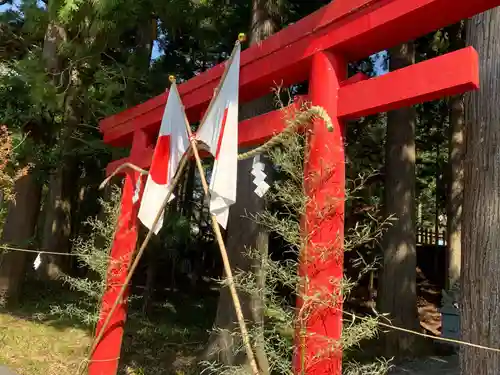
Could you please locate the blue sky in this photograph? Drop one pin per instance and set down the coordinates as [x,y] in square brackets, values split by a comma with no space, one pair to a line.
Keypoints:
[380,69]
[7,6]
[156,51]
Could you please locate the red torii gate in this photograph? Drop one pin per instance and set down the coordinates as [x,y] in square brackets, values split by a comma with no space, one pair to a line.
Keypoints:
[317,49]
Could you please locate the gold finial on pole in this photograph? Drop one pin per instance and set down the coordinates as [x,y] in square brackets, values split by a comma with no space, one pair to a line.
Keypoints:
[171,78]
[242,37]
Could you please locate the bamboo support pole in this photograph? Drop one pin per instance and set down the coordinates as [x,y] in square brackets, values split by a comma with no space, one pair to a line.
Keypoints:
[227,267]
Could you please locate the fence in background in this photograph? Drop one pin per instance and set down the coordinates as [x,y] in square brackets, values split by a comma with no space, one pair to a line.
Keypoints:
[426,236]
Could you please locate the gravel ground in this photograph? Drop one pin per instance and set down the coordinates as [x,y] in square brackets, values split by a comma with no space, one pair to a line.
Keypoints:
[429,366]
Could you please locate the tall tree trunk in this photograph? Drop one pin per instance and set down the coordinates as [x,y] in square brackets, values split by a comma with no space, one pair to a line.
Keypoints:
[398,295]
[266,16]
[145,35]
[57,207]
[54,36]
[454,198]
[57,224]
[480,283]
[62,187]
[455,189]
[243,233]
[18,231]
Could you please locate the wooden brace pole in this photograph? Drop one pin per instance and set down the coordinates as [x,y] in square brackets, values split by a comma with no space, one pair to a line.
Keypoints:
[225,259]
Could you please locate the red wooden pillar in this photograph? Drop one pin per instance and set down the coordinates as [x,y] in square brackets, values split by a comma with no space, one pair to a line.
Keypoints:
[321,263]
[106,356]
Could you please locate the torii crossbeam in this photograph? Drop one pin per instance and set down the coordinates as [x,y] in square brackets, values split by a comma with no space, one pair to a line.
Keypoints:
[316,49]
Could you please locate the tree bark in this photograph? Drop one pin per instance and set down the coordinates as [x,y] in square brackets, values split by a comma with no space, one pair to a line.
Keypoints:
[57,221]
[62,189]
[57,224]
[266,15]
[244,233]
[145,35]
[18,231]
[480,284]
[398,295]
[454,198]
[455,189]
[54,36]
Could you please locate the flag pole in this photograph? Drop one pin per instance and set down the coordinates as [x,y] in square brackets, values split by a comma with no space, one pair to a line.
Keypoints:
[225,259]
[134,265]
[241,38]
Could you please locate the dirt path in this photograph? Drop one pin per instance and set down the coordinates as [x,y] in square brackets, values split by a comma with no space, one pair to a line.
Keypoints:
[429,366]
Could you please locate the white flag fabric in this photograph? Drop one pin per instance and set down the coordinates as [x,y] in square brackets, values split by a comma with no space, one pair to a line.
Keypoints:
[172,144]
[219,131]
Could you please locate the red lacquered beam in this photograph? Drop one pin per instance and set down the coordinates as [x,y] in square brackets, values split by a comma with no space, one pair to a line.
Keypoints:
[354,29]
[251,132]
[450,74]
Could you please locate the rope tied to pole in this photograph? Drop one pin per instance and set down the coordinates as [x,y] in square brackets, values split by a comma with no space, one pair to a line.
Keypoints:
[294,124]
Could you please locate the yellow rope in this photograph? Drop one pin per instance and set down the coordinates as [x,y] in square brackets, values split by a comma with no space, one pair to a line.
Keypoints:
[294,124]
[119,169]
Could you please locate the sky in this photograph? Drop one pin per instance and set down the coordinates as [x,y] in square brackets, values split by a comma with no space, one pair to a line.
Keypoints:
[156,51]
[379,67]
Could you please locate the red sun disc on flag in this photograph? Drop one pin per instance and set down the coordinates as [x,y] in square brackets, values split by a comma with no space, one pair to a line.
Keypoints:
[159,166]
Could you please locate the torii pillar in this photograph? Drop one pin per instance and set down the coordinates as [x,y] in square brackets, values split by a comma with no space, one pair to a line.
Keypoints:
[106,357]
[324,175]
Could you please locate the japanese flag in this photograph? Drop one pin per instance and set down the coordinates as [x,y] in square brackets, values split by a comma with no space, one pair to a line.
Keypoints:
[172,144]
[219,131]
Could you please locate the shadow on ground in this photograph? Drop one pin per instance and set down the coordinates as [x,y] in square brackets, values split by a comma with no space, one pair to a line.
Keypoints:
[165,342]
